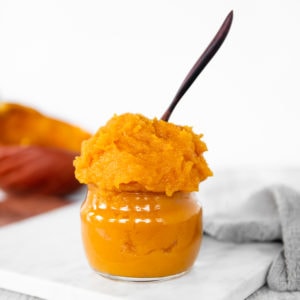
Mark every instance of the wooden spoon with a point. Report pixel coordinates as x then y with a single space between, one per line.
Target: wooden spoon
200 64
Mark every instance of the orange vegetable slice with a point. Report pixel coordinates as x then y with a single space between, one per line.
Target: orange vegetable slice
23 125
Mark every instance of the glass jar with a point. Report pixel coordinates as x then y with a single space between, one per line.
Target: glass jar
141 236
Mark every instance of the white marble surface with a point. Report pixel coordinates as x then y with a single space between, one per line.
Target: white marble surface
43 257
11 295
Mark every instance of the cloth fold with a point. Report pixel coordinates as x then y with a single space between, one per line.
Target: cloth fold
270 214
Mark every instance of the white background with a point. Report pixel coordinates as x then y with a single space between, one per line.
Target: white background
83 61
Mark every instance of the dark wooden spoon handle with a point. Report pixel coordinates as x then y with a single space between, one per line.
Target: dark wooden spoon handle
200 64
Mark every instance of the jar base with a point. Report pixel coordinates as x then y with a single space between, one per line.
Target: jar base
141 279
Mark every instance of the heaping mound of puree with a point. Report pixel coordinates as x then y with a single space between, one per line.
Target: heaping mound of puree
134 153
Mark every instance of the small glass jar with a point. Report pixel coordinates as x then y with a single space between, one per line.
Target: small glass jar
141 236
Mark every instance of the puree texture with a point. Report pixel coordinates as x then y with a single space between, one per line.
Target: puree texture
135 153
141 235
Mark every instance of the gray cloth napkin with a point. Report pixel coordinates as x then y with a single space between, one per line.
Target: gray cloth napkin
270 214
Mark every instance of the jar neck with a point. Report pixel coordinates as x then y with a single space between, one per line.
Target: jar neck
141 204
147 201
92 188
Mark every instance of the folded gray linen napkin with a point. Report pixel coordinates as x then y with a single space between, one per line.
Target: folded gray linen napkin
270 214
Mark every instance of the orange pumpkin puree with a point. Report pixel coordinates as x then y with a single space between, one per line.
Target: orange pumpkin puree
135 153
140 218
141 235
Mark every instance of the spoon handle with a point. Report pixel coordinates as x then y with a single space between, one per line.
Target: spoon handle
200 64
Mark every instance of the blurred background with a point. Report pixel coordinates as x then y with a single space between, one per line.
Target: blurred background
84 60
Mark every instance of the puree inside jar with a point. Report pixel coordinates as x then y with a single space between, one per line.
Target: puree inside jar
141 235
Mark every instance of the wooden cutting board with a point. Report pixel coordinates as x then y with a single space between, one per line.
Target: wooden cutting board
14 208
43 256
